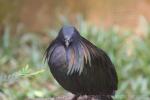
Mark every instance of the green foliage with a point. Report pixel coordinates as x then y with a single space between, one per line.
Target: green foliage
25 76
27 72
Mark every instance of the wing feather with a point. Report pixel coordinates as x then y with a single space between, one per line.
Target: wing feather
101 61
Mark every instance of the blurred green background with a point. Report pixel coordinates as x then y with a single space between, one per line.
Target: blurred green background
27 27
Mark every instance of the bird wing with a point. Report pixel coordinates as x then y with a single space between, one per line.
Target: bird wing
103 69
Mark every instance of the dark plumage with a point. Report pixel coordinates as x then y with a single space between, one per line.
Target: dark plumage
79 66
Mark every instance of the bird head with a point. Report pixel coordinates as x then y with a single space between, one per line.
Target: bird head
68 35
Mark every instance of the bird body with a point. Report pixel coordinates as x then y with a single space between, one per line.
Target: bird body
79 66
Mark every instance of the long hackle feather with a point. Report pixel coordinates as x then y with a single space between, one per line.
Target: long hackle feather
87 55
77 56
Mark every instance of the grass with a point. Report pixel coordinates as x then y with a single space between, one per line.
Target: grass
23 74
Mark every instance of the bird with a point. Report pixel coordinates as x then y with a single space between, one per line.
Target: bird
79 66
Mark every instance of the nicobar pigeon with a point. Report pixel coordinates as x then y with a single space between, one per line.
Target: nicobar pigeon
79 66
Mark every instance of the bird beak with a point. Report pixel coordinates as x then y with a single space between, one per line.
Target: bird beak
67 43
